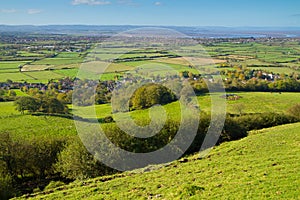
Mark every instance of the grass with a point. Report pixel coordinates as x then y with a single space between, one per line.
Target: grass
58 61
272 102
253 102
17 76
256 53
36 67
24 125
20 93
279 70
11 64
68 55
262 166
43 75
259 102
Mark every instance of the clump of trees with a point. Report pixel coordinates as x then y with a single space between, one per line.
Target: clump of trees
42 104
151 94
22 160
75 162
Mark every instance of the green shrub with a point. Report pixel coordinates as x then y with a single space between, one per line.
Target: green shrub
295 111
232 130
263 120
35 157
75 162
44 155
6 187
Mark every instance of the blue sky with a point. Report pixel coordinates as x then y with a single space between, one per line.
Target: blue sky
152 12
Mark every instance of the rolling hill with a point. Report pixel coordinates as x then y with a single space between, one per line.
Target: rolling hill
265 165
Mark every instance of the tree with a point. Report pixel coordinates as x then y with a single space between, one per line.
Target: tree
75 162
53 105
27 103
151 94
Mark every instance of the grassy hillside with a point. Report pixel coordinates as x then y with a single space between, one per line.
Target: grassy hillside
26 125
264 165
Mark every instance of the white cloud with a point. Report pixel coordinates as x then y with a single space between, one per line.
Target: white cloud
157 3
33 11
8 11
128 3
91 2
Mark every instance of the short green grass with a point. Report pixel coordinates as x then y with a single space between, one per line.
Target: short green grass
11 64
254 102
279 70
27 126
16 76
265 165
58 61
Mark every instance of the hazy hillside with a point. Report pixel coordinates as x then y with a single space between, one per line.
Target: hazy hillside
194 31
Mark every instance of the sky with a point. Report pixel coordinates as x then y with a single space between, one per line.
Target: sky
229 13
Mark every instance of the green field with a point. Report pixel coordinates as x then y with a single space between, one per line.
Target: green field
26 126
279 70
11 65
253 102
253 53
58 61
17 76
276 57
22 125
262 166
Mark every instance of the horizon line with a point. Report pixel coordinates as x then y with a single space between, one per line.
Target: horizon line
210 26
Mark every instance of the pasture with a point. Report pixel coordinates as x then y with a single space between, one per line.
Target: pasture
276 57
26 125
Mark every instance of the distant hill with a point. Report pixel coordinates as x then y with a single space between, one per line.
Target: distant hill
265 165
198 32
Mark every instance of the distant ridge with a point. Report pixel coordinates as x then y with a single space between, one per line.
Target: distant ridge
195 31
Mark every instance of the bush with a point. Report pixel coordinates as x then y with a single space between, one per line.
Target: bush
232 130
295 111
6 187
44 155
263 120
35 157
108 119
75 162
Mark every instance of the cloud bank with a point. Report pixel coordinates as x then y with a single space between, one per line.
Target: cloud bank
90 2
